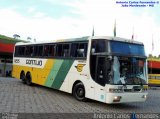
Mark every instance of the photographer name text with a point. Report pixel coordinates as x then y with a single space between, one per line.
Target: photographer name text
138 3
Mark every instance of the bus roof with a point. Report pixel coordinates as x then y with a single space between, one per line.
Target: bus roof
117 39
151 59
86 38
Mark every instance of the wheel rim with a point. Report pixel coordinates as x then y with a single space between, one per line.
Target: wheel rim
80 92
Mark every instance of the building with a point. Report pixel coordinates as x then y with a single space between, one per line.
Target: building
6 54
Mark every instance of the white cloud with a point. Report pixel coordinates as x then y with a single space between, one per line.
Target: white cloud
31 9
38 26
35 13
100 13
39 15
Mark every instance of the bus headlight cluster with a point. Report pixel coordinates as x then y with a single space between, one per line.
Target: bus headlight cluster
144 96
117 99
113 90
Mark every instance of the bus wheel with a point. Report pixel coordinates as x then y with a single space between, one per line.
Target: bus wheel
79 92
28 79
22 77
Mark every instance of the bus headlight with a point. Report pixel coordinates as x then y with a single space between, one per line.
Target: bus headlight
113 90
144 96
117 99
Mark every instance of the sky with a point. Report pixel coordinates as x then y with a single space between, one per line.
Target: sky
47 20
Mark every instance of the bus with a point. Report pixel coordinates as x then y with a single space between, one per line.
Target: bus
102 68
153 71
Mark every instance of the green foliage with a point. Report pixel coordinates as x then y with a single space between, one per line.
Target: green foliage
6 39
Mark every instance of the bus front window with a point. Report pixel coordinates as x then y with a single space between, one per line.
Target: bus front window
116 67
127 70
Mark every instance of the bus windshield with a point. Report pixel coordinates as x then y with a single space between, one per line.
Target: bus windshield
127 48
118 63
128 70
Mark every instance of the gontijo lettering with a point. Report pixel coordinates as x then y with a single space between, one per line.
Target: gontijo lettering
34 62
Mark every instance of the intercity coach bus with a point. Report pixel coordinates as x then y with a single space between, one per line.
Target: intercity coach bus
106 69
153 71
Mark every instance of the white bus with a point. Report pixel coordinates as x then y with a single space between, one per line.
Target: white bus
106 69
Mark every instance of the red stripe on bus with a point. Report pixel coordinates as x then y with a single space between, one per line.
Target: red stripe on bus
154 64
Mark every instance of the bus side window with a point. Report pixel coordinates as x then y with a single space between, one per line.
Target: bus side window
66 49
98 46
59 50
40 51
79 50
20 51
82 50
46 50
74 48
35 51
51 50
31 51
27 51
16 51
85 49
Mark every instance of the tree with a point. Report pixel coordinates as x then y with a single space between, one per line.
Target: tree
29 38
34 40
150 55
16 36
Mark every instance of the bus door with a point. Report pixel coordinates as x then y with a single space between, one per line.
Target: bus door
100 78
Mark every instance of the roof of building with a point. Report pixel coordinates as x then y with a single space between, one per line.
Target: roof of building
7 45
9 40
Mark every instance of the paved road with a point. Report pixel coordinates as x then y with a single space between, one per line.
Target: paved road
15 97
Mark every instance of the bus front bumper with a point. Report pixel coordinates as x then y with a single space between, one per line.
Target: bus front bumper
126 97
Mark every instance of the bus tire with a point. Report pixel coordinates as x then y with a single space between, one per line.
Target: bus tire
23 77
28 79
79 92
